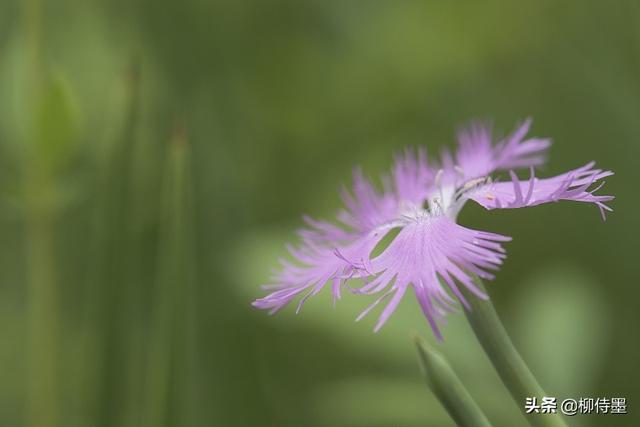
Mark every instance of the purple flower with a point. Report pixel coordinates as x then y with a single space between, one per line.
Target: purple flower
421 198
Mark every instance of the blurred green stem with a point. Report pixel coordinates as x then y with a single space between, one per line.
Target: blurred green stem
510 366
173 282
43 319
448 388
106 376
33 39
42 294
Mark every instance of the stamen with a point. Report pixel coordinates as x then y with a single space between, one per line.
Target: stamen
438 181
474 183
436 204
438 178
470 185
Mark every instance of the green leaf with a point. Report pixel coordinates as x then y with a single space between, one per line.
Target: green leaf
448 388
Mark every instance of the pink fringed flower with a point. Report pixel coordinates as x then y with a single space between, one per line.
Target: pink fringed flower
431 253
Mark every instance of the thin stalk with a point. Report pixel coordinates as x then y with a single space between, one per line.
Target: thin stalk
43 320
100 368
173 280
134 260
43 316
506 360
448 388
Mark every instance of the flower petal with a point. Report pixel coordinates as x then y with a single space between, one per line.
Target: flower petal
332 252
315 266
429 253
412 176
475 155
514 152
573 185
478 157
366 209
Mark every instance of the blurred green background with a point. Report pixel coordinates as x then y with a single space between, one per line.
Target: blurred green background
156 155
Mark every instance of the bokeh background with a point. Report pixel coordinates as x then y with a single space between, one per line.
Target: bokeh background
156 155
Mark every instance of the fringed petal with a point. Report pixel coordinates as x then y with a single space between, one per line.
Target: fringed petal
515 152
429 253
577 185
366 208
334 253
477 156
412 176
315 266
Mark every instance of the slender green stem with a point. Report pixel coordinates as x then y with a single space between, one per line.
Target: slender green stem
43 311
448 388
510 366
104 370
173 275
43 321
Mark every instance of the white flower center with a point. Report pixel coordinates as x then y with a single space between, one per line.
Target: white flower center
448 197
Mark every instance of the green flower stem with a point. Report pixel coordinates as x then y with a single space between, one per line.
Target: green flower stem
510 366
448 388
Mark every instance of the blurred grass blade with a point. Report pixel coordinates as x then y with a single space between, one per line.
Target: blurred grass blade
101 364
448 388
511 368
44 316
173 284
43 389
55 124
